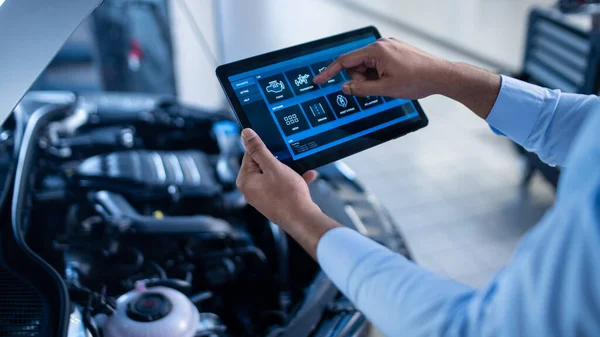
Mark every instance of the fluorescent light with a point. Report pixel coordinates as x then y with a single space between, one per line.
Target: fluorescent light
1 2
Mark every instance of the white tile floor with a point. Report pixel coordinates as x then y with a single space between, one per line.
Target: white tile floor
453 188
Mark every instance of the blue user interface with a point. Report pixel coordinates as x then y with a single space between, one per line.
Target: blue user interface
297 118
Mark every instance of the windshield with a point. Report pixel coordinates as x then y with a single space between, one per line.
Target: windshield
123 46
147 46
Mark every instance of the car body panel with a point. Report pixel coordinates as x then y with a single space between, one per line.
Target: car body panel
31 33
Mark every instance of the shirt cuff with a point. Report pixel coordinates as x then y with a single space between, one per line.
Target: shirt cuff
517 109
340 250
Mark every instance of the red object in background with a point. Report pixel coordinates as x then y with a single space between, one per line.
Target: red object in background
135 55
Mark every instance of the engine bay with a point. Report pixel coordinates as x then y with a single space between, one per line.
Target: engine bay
132 200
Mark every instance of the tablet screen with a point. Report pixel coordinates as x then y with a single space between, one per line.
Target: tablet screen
297 118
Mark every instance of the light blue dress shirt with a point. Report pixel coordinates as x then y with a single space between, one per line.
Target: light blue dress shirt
551 286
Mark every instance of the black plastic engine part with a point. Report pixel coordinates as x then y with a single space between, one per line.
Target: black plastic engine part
118 108
112 137
283 266
143 175
147 109
318 296
115 209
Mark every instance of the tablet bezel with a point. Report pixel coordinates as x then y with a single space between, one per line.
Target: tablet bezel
339 151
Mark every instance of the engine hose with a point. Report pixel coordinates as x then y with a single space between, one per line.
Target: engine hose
42 270
89 322
159 270
281 246
234 252
201 297
136 265
177 284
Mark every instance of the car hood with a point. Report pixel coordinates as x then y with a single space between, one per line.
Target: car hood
31 33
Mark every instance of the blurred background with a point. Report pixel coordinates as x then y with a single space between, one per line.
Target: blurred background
462 195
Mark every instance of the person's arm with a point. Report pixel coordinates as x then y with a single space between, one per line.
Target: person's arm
548 289
397 296
541 120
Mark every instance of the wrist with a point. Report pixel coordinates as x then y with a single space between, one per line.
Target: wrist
474 87
443 77
308 226
300 214
450 77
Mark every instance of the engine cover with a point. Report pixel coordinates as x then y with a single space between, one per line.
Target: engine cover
142 174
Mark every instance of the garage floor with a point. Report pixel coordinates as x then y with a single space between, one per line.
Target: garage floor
453 188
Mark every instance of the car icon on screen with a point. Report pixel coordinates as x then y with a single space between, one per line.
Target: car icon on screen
275 87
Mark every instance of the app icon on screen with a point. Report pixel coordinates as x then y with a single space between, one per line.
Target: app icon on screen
318 67
301 80
341 101
342 104
291 120
275 88
369 101
318 111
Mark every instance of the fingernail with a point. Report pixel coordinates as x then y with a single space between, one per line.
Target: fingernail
248 134
346 88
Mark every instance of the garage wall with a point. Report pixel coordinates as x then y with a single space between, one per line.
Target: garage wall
195 73
494 29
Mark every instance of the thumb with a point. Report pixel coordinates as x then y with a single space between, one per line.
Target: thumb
257 149
365 88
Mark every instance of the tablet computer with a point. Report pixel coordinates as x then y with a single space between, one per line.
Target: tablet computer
306 125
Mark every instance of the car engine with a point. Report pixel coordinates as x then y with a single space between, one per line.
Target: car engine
132 200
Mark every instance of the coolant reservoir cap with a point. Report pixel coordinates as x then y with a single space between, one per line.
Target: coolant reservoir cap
153 312
149 307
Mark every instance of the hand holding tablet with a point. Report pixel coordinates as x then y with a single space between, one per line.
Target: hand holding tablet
307 123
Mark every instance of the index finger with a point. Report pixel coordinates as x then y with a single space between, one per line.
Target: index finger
350 60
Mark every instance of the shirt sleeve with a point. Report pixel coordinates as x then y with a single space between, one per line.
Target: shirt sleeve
548 289
550 286
541 120
396 295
